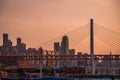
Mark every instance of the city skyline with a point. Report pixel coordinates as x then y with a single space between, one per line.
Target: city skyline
30 20
61 47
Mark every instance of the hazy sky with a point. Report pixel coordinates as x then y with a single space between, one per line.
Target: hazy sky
36 21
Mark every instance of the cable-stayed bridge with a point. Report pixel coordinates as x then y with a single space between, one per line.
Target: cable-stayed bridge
105 40
81 39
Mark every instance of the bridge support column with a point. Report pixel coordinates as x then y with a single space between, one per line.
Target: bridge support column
92 46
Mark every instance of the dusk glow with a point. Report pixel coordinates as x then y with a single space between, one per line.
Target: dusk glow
60 39
37 21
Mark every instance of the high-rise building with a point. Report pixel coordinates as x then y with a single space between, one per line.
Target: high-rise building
18 41
10 43
71 60
65 46
19 45
64 50
56 47
23 45
72 51
5 39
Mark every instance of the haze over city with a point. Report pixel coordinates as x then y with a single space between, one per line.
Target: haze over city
42 20
59 39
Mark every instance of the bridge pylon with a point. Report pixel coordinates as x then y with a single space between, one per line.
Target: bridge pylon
92 46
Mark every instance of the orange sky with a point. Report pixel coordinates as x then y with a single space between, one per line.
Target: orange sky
37 21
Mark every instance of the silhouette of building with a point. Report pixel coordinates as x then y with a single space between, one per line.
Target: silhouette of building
5 39
9 43
21 47
64 50
18 41
7 48
64 46
71 61
56 47
71 51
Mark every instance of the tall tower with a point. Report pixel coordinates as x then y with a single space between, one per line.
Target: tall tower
5 39
19 45
18 41
92 46
65 45
56 47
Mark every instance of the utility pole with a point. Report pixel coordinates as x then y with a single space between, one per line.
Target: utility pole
92 46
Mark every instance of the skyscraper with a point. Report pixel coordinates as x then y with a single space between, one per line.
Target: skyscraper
18 41
5 39
65 46
64 50
9 43
23 45
56 47
19 45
